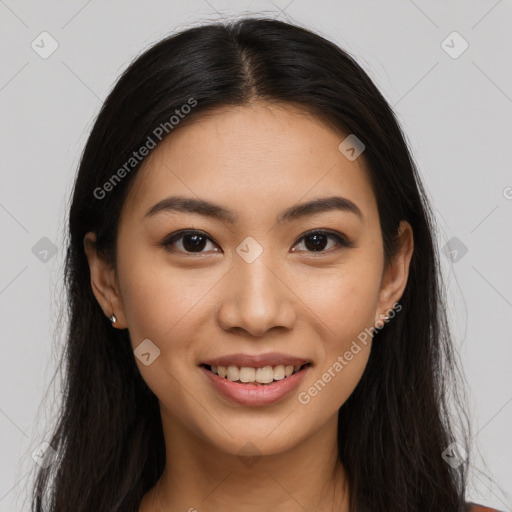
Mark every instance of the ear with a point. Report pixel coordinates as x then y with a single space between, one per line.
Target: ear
395 275
104 282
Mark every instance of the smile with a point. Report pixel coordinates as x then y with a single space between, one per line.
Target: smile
260 376
242 384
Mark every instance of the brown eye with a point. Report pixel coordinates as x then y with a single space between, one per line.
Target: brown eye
189 242
317 241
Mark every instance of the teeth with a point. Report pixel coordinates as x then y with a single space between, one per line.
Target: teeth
233 373
263 375
279 373
247 374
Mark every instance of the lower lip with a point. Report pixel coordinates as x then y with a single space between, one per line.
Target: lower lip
253 394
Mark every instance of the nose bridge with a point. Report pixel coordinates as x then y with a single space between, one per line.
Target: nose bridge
258 282
257 299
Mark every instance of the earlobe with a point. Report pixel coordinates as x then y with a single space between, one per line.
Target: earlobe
103 282
397 271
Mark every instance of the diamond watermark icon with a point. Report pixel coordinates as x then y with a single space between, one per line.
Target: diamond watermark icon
454 45
249 454
351 147
249 249
147 352
44 250
454 455
454 250
44 45
44 455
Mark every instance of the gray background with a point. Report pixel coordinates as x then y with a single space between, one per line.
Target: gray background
456 113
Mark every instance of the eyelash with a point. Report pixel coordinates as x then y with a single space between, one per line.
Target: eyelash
342 240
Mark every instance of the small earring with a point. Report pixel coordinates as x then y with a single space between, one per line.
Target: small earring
113 319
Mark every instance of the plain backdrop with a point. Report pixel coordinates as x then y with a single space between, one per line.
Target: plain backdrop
453 102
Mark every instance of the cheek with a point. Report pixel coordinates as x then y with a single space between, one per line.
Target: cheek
345 303
162 304
156 296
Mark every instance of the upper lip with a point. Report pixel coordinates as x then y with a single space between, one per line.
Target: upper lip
256 361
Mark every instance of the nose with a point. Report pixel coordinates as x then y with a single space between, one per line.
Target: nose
257 298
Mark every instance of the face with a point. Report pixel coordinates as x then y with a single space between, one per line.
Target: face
255 275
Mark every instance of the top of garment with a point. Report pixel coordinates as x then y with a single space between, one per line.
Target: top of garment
474 507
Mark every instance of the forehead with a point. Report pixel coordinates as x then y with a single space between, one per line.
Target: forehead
251 158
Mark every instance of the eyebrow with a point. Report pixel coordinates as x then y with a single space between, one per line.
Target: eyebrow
215 211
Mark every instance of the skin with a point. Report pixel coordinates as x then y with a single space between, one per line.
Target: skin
290 299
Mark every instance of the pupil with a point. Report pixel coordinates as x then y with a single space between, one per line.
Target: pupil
318 243
197 242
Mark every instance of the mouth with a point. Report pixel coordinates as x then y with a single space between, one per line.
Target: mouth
260 376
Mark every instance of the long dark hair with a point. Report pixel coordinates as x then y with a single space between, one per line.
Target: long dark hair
399 419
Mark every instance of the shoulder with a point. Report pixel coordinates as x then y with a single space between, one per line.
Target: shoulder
473 507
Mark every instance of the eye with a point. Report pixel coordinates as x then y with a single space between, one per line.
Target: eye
192 241
316 241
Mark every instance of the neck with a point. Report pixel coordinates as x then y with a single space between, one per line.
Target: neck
199 476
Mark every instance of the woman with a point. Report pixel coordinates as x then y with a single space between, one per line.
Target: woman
256 317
